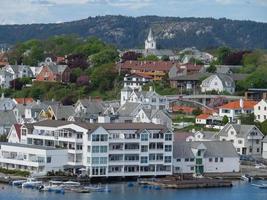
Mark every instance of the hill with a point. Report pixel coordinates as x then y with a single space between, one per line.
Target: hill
130 32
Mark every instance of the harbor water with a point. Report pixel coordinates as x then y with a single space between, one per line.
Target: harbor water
240 191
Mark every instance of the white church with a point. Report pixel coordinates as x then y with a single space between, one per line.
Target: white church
151 48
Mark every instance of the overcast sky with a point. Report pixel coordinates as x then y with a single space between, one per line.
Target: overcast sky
47 11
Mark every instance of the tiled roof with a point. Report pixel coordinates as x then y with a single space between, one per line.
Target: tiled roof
148 65
203 116
247 104
24 100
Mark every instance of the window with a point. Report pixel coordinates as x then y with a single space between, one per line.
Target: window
168 159
48 159
259 117
95 149
198 153
144 148
88 160
238 149
79 135
265 108
257 141
144 137
240 141
258 150
152 157
216 159
143 159
95 160
103 160
186 159
210 159
103 138
221 159
178 160
192 159
168 148
168 137
79 147
192 168
103 149
259 107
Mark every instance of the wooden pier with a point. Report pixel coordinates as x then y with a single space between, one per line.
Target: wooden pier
172 183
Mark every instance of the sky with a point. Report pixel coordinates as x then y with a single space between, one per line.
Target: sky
56 11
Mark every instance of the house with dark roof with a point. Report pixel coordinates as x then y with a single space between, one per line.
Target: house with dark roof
52 72
245 138
205 157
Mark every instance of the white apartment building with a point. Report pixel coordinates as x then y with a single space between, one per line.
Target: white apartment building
136 81
260 111
245 138
205 157
36 159
107 150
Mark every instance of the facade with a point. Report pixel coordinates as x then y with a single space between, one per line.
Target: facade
236 108
245 138
218 83
136 81
147 98
205 157
260 111
19 71
53 72
107 150
5 78
36 159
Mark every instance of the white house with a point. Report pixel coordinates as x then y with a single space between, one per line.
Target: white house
245 138
260 111
14 134
136 81
36 159
205 157
5 78
218 83
107 149
19 71
202 119
149 98
236 108
202 136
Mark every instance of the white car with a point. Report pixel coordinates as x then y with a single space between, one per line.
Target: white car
260 166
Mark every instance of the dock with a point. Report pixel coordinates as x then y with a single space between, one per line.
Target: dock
172 183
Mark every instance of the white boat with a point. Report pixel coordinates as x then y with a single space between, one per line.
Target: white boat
70 184
262 186
53 186
31 183
18 182
246 178
98 188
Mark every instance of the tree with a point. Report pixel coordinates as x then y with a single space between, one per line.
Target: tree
211 68
247 118
197 111
131 55
149 58
225 120
82 80
108 55
222 53
165 58
77 61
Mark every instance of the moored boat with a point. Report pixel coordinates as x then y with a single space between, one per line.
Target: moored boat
18 182
31 183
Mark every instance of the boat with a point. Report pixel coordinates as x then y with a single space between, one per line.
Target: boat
53 186
263 186
18 182
246 177
70 185
31 183
98 188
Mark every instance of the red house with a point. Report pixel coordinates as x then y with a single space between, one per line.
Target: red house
54 73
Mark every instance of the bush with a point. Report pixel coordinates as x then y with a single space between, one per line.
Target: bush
14 172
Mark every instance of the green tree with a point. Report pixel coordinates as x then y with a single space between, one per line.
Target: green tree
149 58
197 111
225 120
211 68
222 53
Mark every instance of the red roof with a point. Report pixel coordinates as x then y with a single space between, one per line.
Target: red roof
142 75
148 65
203 116
24 100
181 136
234 105
186 109
18 130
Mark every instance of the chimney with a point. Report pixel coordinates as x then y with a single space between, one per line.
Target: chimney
241 103
150 89
239 121
2 96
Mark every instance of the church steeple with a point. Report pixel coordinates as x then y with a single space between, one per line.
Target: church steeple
150 43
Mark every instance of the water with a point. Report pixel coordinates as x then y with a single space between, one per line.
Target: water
240 191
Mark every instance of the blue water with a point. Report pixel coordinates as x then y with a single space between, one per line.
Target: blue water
240 191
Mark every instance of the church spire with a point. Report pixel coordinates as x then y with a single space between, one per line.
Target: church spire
150 42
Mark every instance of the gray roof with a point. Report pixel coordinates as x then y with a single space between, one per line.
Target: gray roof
128 109
208 135
92 107
191 77
63 112
213 149
241 129
227 80
7 118
156 52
